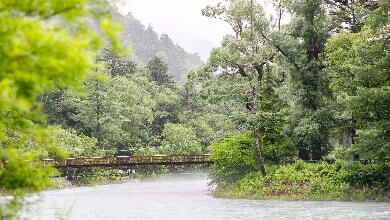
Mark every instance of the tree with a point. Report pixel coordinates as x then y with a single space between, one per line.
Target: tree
240 64
90 110
191 104
208 121
57 108
359 63
117 65
276 146
179 139
302 44
76 145
349 14
61 105
43 44
116 111
159 72
165 111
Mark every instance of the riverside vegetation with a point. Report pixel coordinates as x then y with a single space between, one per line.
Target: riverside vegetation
308 81
322 181
237 175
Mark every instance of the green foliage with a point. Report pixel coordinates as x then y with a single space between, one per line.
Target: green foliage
274 79
159 72
321 181
328 189
180 139
275 145
203 131
233 158
25 32
359 63
77 145
131 110
44 44
307 129
241 73
20 173
166 109
302 43
117 65
370 174
114 111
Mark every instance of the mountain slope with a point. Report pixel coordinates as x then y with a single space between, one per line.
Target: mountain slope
146 43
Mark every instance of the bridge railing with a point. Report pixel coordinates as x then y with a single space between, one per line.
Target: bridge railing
128 160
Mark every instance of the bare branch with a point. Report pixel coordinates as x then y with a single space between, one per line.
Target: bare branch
259 68
241 70
60 11
281 51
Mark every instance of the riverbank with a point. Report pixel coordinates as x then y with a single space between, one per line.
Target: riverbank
321 181
62 183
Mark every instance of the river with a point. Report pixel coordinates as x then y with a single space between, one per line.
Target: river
185 197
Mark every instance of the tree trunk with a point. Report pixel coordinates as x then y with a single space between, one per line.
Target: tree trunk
256 134
353 135
98 113
98 116
258 151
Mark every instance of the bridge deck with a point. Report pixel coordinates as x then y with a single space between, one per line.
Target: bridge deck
129 161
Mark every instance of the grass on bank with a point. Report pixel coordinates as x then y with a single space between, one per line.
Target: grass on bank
313 181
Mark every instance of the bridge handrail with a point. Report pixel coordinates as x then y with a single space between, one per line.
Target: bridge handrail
118 160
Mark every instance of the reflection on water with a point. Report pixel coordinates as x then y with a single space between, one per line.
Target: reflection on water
186 197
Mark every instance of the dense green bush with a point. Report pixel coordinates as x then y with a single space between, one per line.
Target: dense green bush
233 158
370 174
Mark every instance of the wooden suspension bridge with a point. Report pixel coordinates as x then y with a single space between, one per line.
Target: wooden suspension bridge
123 161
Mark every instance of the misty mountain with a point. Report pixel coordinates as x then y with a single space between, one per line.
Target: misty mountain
147 43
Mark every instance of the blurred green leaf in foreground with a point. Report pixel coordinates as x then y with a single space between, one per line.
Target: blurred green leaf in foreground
44 44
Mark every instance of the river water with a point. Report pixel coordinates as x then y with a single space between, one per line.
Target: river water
185 197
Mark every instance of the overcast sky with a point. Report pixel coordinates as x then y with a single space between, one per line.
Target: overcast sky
182 21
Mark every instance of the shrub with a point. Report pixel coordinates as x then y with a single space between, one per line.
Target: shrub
252 183
370 174
330 189
233 158
314 181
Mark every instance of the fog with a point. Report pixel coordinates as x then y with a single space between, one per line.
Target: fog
183 22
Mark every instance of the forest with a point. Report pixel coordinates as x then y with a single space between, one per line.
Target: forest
292 104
